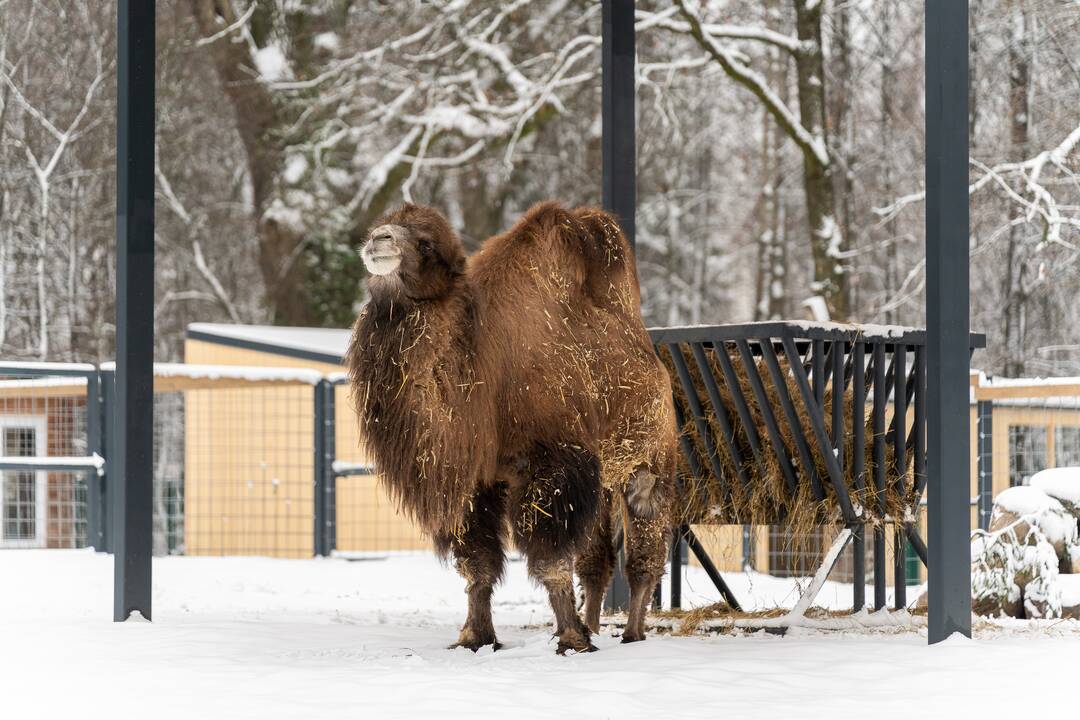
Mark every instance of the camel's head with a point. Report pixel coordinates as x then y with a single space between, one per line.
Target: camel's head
412 251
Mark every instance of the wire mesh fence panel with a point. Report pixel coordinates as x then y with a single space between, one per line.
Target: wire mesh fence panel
169 437
1027 452
43 416
368 522
1035 433
246 473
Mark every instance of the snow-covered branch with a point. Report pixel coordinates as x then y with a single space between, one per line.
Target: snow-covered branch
666 20
1023 184
810 142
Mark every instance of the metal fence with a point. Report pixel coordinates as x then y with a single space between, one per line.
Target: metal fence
46 472
247 461
267 461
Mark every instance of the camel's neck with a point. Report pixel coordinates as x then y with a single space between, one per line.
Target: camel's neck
412 369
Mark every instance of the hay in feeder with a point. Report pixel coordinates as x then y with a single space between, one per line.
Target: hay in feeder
766 499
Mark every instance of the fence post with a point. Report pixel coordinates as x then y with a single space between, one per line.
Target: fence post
329 455
985 460
95 491
108 443
318 495
678 559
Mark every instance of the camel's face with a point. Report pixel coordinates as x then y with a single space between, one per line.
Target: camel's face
414 252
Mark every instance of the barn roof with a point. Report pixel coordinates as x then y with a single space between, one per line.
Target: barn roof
326 345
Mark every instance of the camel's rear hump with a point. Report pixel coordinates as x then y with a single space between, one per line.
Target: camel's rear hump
582 249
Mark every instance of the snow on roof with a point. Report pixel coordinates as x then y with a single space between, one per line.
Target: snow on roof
325 341
232 372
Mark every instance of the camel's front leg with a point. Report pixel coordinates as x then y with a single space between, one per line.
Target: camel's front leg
479 558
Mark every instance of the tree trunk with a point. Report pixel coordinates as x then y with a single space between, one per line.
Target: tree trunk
1017 261
827 243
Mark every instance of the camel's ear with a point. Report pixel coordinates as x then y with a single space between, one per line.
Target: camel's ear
459 265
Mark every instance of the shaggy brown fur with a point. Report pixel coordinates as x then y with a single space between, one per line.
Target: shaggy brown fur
516 396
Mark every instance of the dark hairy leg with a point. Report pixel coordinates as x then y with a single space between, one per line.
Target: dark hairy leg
556 507
595 564
479 557
648 532
558 578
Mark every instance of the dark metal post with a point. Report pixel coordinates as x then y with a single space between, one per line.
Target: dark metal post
133 462
329 455
619 164
319 471
108 444
985 459
95 490
858 462
678 552
947 281
619 145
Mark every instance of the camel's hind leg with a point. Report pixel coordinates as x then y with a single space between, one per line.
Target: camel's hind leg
596 563
557 505
558 578
647 513
478 556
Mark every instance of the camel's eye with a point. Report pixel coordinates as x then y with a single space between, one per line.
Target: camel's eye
425 246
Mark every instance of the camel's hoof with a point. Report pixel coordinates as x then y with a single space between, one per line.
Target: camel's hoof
474 646
632 638
577 647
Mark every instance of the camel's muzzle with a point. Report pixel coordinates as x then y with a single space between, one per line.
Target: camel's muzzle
382 251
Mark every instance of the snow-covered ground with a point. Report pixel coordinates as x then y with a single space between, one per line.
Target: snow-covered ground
332 638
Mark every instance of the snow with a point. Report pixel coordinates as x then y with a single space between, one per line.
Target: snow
76 462
1027 381
271 63
869 331
328 41
1070 590
12 367
341 467
43 382
1026 500
328 638
285 216
1060 483
1037 508
295 169
232 372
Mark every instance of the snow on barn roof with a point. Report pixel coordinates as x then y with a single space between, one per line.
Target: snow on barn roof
319 344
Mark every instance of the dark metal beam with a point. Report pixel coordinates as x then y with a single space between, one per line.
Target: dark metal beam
619 148
132 465
710 569
947 288
619 162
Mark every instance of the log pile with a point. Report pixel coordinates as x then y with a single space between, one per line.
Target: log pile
1025 565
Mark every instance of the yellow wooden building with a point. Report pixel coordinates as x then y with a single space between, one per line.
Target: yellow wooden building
249 451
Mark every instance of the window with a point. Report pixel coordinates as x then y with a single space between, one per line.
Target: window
22 492
1067 446
1027 452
